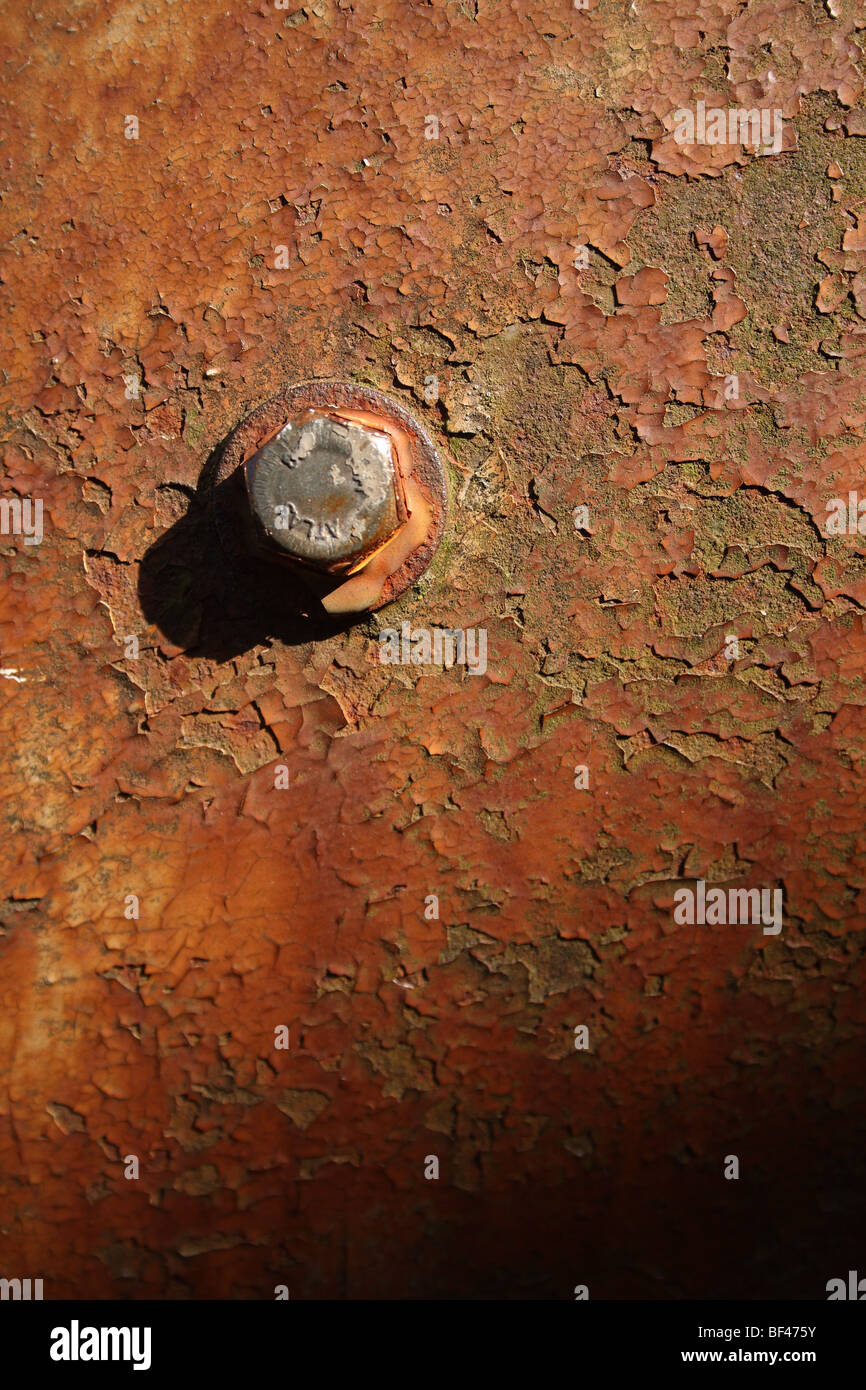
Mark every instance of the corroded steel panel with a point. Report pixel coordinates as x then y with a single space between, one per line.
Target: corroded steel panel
643 358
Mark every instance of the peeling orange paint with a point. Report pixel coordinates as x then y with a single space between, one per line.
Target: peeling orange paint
282 806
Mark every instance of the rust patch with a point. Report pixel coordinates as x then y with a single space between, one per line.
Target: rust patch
484 214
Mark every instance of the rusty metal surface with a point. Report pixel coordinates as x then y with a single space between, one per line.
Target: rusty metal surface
202 204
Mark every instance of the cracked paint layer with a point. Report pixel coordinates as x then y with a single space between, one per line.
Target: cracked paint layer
217 828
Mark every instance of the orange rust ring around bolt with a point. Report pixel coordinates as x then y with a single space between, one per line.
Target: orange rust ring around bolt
423 468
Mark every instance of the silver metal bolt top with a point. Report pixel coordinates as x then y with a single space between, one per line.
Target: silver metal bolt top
325 490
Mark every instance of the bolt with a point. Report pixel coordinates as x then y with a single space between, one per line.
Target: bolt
333 484
325 492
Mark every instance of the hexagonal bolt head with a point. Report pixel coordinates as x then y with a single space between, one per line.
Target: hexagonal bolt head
325 493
